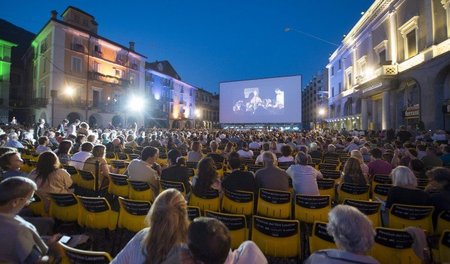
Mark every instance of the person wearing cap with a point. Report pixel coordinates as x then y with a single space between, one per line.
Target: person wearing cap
176 171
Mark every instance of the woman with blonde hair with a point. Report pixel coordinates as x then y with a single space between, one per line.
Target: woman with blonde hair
358 154
165 237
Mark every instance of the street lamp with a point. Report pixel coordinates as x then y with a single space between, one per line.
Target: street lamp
198 115
53 94
321 112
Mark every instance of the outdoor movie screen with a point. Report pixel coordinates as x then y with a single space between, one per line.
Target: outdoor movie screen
268 100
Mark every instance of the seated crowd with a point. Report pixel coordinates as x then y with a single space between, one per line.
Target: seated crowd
417 169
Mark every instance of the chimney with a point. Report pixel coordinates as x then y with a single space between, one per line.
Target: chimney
54 14
132 45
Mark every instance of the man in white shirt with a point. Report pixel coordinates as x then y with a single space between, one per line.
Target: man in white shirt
304 177
143 169
80 157
245 152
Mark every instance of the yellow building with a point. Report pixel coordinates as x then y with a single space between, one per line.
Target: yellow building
78 74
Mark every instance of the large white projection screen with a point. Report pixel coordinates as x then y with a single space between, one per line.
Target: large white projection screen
269 100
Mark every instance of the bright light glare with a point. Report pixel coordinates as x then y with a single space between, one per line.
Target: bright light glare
321 111
198 114
369 73
69 91
136 104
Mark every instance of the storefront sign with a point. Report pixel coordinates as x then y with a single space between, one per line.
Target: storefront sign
412 111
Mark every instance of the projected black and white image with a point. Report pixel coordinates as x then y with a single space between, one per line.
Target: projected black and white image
253 102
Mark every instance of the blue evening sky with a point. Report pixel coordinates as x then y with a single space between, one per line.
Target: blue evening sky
210 41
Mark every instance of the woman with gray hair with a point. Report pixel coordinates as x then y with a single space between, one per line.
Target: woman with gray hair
353 234
404 190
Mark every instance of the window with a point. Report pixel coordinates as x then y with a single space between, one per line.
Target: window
339 88
332 70
382 57
96 66
381 51
97 50
44 64
76 64
340 64
95 98
410 40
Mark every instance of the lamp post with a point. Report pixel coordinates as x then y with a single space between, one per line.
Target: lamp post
53 94
198 114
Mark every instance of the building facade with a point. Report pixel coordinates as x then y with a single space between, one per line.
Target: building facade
393 68
207 109
5 76
172 101
78 74
315 101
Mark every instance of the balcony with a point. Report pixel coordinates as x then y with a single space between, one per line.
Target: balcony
108 79
40 102
78 47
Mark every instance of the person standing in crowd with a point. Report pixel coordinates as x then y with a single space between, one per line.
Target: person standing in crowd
39 129
343 223
165 236
271 176
146 169
72 128
304 177
62 127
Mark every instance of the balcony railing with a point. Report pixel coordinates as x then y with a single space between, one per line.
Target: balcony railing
40 102
78 47
108 79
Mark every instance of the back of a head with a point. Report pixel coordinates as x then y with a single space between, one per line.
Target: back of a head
331 148
15 187
268 158
87 146
376 153
173 155
357 154
286 150
234 160
301 158
441 176
402 176
148 152
344 222
208 240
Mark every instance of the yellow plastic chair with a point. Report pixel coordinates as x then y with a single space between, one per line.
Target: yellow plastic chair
118 185
443 222
353 191
276 237
331 174
76 178
64 207
164 185
238 202
87 180
274 203
309 208
140 191
110 156
132 214
193 212
96 213
327 187
328 166
210 201
320 239
236 224
444 247
402 216
380 191
371 209
38 205
71 255
393 246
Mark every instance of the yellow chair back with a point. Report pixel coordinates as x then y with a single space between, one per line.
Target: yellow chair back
238 202
164 185
371 209
132 214
64 207
353 191
210 201
320 239
402 216
140 191
236 224
118 185
72 255
309 208
96 213
274 203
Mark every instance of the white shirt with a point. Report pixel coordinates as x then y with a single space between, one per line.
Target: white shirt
79 158
245 154
139 170
304 179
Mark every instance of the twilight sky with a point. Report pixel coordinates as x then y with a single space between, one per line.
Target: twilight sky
210 41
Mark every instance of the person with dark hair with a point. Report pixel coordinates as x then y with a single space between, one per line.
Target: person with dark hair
304 177
195 154
418 168
431 160
80 157
245 152
43 145
63 151
286 154
214 153
79 140
10 163
377 165
165 237
21 242
439 189
353 173
49 177
146 169
176 171
265 147
98 155
238 180
62 127
209 242
206 178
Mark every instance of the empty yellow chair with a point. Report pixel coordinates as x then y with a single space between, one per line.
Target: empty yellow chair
274 203
164 185
132 214
309 208
327 187
353 191
443 222
393 246
371 209
210 201
236 224
320 239
276 237
238 202
118 185
402 216
96 213
140 191
64 207
72 255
